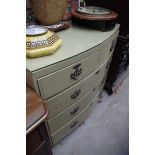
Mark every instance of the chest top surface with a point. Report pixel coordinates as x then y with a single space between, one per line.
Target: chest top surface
75 41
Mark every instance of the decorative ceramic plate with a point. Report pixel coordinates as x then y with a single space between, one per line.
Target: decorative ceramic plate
40 41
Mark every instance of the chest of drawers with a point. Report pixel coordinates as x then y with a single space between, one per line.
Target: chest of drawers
71 80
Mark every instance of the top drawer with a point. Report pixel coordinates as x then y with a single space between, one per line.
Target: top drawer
55 82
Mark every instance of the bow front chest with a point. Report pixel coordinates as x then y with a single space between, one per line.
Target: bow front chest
71 79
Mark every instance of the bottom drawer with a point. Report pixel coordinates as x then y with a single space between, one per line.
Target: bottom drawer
74 123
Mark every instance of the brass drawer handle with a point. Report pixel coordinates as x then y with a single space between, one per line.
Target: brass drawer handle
77 72
113 45
111 48
75 110
97 72
108 65
74 124
94 89
103 80
76 94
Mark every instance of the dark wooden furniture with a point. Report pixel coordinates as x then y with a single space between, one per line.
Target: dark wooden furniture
120 60
119 6
112 16
102 22
37 140
119 63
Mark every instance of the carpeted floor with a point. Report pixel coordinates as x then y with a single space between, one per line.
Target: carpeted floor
106 130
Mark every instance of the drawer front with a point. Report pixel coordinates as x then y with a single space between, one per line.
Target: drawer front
73 124
53 83
66 116
107 48
71 95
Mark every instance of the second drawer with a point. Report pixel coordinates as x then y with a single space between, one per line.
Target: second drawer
64 117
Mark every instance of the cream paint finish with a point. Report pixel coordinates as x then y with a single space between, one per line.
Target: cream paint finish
51 76
47 66
78 120
53 83
66 116
105 50
75 41
63 100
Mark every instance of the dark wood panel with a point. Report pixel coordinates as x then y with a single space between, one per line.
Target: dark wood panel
33 140
39 151
119 6
120 60
38 142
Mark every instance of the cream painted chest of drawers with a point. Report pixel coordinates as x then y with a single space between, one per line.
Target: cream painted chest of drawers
71 79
